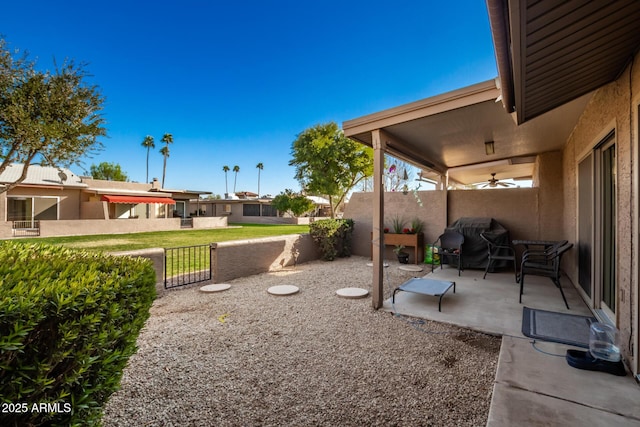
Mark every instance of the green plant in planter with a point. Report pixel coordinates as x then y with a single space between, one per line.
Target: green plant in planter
416 226
397 224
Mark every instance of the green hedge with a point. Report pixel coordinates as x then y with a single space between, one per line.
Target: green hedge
69 321
333 236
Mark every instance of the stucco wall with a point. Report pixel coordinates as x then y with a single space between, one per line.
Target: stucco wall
550 195
520 210
517 209
5 230
610 108
113 226
242 258
156 255
360 209
93 210
209 222
121 185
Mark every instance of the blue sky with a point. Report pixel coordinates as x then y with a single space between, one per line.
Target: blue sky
236 81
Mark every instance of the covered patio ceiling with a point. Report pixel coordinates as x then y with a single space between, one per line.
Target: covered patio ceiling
447 133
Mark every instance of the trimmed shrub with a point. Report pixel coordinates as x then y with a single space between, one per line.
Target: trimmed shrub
333 236
69 321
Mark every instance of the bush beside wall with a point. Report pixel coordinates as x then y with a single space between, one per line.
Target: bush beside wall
333 237
69 321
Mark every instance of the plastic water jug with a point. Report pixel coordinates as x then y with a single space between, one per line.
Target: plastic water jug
603 342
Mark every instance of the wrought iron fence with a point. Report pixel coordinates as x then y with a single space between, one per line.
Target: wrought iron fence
25 228
186 265
186 222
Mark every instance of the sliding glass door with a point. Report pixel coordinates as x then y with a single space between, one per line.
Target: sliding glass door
597 226
607 183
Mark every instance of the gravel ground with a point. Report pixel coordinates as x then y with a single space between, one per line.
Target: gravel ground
244 357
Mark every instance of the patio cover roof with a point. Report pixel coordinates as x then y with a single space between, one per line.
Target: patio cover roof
449 131
136 199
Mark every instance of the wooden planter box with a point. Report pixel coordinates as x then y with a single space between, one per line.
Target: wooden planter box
415 241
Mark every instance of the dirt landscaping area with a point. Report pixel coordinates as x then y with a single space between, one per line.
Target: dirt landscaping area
244 357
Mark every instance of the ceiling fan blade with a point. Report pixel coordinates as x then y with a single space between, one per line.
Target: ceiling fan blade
504 184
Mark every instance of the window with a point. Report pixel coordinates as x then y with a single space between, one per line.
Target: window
268 210
250 209
32 207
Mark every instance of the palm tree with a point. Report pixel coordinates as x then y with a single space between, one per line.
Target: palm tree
226 169
165 153
167 138
148 143
260 166
236 169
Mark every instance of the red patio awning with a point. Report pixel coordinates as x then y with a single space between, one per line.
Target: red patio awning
137 199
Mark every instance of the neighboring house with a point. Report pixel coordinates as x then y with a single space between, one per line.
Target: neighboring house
322 206
71 204
246 207
567 104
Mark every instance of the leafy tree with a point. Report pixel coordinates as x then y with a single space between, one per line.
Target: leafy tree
167 138
300 205
226 169
50 115
211 197
329 163
260 167
148 143
109 172
236 169
294 203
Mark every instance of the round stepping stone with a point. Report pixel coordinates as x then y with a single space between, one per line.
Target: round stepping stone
410 268
352 293
218 287
385 265
283 290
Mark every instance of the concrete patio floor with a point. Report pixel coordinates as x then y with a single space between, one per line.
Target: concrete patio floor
534 385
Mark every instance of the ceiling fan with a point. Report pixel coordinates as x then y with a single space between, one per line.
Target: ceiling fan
493 182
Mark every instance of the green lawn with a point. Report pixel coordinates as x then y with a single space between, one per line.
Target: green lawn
169 239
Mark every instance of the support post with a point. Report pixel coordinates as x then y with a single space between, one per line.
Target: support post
379 146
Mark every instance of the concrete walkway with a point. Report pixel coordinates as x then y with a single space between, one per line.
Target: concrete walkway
534 385
536 388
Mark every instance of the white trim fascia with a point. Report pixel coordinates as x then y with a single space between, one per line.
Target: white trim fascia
464 97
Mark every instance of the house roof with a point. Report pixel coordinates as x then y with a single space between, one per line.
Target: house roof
42 176
318 200
550 53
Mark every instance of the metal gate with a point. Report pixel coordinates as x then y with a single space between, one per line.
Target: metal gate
186 265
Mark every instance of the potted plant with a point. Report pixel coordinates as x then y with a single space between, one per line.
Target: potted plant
403 257
416 226
397 224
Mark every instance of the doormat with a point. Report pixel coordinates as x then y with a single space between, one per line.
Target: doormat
562 328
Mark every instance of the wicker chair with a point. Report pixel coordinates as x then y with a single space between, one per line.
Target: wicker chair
450 246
